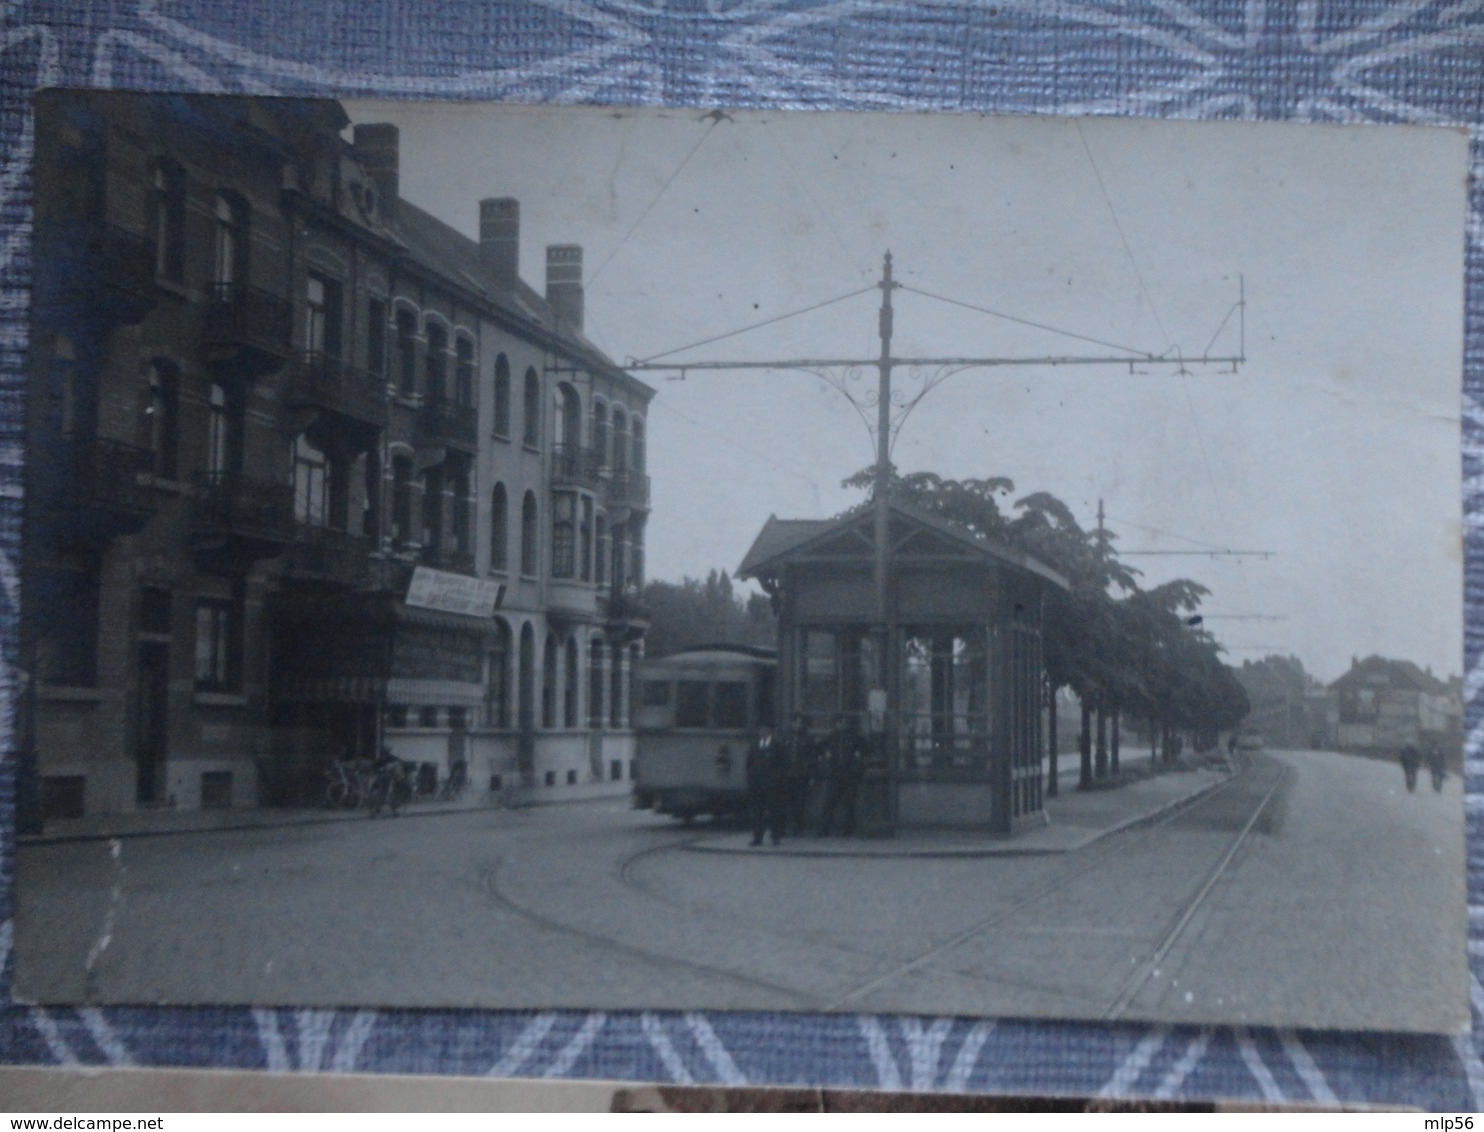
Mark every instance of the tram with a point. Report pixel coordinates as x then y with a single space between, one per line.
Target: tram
699 710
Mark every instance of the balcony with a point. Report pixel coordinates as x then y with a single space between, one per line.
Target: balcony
629 489
237 520
246 330
442 423
327 556
108 491
317 380
574 465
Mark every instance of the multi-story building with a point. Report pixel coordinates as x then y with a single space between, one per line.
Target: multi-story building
310 472
1382 704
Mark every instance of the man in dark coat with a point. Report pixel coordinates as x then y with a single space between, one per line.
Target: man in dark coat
765 770
1411 759
843 763
798 774
1436 766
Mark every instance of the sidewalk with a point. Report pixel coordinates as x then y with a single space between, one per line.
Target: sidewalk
1073 820
166 822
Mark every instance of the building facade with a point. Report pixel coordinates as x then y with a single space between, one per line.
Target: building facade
1380 705
310 472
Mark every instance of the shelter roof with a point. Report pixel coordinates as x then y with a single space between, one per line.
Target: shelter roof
794 538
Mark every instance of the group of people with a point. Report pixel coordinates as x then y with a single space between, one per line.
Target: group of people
1411 760
782 771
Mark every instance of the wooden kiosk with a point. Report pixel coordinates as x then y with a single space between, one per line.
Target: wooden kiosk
949 686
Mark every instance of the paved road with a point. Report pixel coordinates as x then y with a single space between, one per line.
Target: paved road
1343 906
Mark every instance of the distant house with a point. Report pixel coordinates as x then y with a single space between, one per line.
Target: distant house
1288 705
1383 704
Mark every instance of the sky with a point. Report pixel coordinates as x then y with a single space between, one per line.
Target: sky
1334 448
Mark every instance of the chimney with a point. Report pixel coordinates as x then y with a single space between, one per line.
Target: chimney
499 236
377 150
564 284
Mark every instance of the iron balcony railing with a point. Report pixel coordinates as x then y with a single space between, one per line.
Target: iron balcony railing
243 317
448 422
572 464
328 555
327 382
629 487
232 503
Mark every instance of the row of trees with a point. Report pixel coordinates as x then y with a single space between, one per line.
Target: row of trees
1124 650
692 612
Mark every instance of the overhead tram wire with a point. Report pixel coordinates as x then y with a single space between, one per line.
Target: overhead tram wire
745 329
1140 355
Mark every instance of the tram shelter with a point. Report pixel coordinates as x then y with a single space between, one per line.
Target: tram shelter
949 685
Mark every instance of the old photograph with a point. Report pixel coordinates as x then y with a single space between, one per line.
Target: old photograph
576 557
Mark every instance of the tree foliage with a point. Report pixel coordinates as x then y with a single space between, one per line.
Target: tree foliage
696 612
1141 651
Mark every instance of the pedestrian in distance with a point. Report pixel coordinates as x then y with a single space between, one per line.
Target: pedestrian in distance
798 775
843 767
1436 767
765 780
1411 759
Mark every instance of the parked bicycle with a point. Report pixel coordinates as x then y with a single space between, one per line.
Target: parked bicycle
392 786
347 783
456 783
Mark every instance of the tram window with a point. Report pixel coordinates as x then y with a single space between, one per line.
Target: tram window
656 693
731 706
690 703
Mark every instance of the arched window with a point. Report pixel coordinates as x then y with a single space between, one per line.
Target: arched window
636 446
569 688
402 499
564 534
432 517
499 529
311 482
548 682
585 533
463 372
600 555
229 251
600 432
595 683
531 434
169 220
497 696
620 459
525 705
406 353
615 685
502 397
458 478
436 368
162 417
569 416
219 431
528 533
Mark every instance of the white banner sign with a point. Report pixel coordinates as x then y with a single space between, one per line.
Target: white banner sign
452 593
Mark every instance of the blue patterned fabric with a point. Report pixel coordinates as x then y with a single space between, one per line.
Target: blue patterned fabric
1328 60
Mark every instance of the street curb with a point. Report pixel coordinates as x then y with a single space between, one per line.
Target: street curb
312 818
1000 848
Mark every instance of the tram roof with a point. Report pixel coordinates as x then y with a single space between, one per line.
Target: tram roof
791 538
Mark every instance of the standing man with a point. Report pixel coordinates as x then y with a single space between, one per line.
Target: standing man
1436 767
1411 759
764 782
844 764
798 774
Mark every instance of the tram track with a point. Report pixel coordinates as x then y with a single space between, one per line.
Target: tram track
1142 836
1271 776
489 884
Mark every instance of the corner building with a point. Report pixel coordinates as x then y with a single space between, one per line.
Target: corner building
310 472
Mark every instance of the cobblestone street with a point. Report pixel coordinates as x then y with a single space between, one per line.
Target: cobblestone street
1311 890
